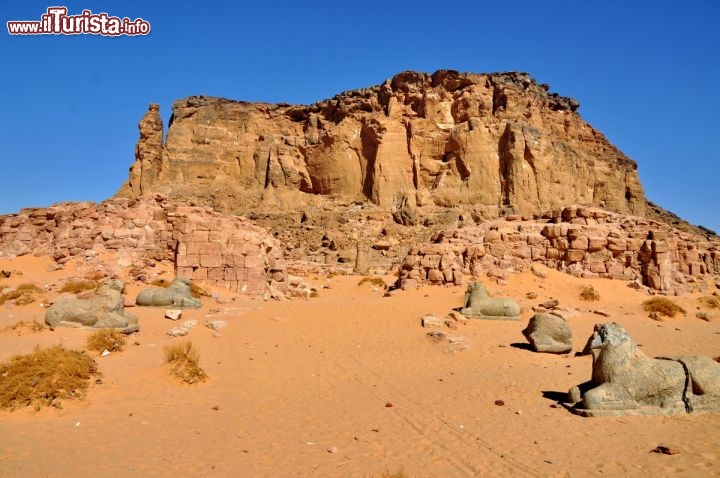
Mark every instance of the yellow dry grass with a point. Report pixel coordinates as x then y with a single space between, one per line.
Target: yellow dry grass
588 293
376 281
106 339
32 327
80 285
22 295
45 377
183 360
663 306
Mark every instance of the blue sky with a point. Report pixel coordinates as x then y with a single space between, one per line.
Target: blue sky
646 73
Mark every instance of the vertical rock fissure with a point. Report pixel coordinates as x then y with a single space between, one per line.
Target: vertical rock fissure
504 166
686 401
267 169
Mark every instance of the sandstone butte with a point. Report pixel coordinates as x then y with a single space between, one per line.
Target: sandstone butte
440 177
499 142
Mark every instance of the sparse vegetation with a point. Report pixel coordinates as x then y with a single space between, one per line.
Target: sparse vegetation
711 301
183 360
160 283
662 306
34 327
77 286
196 291
22 295
376 281
45 377
397 474
106 339
588 293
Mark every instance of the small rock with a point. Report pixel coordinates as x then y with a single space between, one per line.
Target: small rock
635 284
499 403
388 405
703 316
537 271
105 353
215 324
173 314
178 332
457 316
601 312
432 321
665 450
332 449
550 304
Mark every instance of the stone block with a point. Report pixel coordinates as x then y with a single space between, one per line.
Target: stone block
574 255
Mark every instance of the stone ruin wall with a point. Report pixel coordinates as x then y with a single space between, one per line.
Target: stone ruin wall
231 252
227 251
584 242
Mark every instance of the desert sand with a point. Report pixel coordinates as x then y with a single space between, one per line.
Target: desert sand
348 384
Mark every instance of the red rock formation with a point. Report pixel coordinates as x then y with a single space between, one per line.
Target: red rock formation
228 251
584 242
499 142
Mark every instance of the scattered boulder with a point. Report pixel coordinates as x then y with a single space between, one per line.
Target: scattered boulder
627 382
173 314
104 309
549 333
177 294
479 305
182 330
432 321
550 304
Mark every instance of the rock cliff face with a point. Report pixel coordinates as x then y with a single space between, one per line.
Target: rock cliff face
498 142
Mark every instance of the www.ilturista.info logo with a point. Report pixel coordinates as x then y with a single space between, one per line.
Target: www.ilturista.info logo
57 22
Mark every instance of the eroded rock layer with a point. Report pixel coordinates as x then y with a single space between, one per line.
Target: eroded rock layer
499 142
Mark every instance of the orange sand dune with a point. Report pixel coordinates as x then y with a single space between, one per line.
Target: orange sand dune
347 384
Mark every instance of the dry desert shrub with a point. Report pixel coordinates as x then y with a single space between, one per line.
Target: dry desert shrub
80 285
33 327
22 295
106 339
397 474
662 306
376 281
160 283
711 301
44 377
183 360
196 291
588 293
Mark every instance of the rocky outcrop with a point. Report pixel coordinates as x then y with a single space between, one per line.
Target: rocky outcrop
584 242
498 141
177 294
203 245
627 382
104 309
